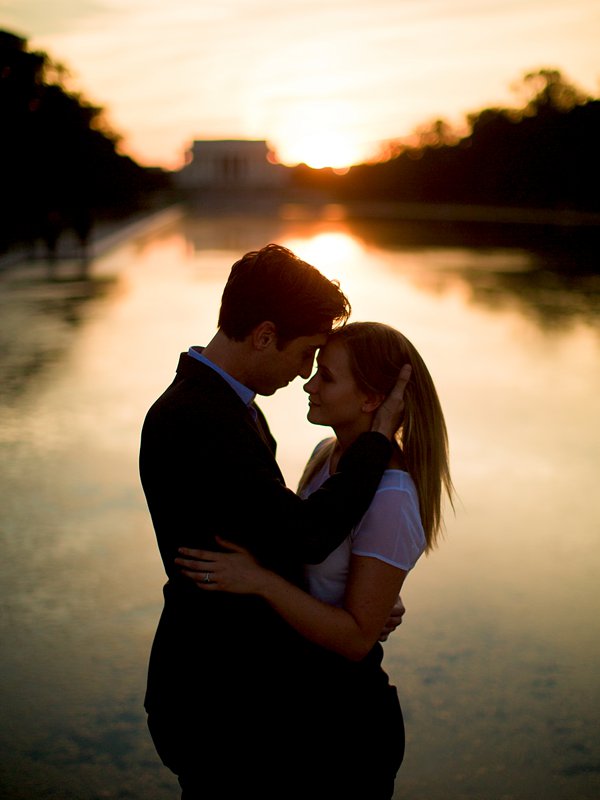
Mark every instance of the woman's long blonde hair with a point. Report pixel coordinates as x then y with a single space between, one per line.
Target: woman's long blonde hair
377 352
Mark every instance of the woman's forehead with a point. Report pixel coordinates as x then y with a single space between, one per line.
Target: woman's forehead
334 355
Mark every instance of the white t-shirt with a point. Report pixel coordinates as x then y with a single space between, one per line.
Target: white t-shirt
390 531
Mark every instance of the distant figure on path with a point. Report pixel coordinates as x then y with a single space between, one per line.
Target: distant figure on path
52 229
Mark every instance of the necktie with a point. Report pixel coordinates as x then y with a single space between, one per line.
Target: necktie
261 426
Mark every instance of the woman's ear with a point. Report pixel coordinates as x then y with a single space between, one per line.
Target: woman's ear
372 402
264 335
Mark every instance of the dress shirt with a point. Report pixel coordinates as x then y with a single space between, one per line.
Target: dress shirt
245 394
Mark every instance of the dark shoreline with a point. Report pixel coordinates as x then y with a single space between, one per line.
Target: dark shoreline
565 240
569 239
104 236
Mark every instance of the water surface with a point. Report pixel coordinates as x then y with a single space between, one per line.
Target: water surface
498 660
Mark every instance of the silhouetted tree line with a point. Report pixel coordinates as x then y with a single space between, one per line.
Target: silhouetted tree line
545 154
59 163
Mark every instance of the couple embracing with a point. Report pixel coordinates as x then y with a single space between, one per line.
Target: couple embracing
265 675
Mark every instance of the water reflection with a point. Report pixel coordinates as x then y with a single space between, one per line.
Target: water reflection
40 313
558 248
553 299
498 662
549 274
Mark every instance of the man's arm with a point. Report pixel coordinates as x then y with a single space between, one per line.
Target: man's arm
206 473
308 530
389 414
350 630
324 519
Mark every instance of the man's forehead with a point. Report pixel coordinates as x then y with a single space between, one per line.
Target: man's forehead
322 354
316 340
329 350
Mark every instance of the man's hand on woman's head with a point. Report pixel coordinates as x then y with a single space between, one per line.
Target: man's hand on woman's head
389 414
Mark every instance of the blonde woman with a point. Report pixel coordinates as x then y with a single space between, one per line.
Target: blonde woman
349 595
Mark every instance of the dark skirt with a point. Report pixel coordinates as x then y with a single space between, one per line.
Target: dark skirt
334 731
358 734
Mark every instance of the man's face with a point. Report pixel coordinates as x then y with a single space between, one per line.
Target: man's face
280 367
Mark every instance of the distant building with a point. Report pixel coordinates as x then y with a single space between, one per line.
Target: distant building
231 165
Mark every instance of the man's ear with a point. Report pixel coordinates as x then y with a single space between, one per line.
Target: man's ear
372 402
264 335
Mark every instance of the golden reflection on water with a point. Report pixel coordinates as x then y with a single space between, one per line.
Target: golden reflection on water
498 660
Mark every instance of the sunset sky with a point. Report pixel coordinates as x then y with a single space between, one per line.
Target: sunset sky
324 81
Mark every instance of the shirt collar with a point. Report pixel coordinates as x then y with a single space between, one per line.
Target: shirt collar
245 394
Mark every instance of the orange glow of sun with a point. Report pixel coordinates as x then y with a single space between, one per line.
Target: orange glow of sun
320 150
332 250
319 133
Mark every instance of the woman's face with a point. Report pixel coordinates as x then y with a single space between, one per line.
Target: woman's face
334 397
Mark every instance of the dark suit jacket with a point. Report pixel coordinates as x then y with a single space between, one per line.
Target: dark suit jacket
206 470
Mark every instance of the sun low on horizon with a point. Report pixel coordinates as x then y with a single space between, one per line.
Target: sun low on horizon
326 84
317 151
331 148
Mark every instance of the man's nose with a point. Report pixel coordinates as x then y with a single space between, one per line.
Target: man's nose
306 368
310 386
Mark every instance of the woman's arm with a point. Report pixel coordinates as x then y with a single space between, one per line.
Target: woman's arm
373 587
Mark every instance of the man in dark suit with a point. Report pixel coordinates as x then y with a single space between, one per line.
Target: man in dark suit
230 686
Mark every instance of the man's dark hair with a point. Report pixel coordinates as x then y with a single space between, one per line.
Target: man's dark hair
274 284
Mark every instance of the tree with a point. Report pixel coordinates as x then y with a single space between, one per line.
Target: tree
547 90
543 154
58 158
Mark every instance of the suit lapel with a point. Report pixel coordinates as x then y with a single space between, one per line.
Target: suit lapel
191 369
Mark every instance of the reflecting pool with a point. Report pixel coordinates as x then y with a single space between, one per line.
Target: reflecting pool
498 660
